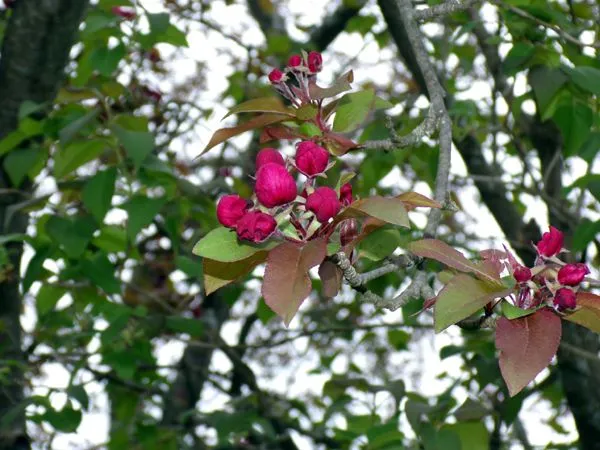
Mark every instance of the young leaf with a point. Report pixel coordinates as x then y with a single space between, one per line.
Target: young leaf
218 274
137 144
512 312
342 84
527 345
589 313
72 234
352 110
222 244
222 134
442 252
413 200
331 278
264 105
390 210
461 297
76 154
287 283
380 244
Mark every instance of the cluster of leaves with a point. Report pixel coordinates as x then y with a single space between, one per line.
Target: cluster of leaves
289 259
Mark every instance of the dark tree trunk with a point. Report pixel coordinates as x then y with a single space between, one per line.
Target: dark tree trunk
35 51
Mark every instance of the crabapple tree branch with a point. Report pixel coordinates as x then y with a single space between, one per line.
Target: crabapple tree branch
441 10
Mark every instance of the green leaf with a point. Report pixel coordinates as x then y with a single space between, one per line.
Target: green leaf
112 239
27 128
222 244
546 82
67 134
380 244
193 327
137 144
307 112
590 148
264 104
72 234
462 297
218 274
102 273
159 22
75 155
287 283
585 77
106 60
47 298
352 110
188 266
66 420
472 434
98 192
511 311
390 210
585 233
361 24
141 210
399 339
590 181
517 57
35 268
19 162
574 121
78 392
442 252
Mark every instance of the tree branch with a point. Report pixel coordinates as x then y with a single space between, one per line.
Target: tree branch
442 10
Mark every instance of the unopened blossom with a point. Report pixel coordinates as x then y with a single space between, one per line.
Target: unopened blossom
565 299
324 203
276 76
255 226
572 274
294 61
124 12
551 242
230 210
315 62
346 194
268 155
274 185
522 274
311 159
348 231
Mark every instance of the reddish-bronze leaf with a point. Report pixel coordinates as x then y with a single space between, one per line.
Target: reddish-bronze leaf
287 282
589 313
331 278
413 200
337 144
278 132
527 345
442 252
264 105
222 134
218 274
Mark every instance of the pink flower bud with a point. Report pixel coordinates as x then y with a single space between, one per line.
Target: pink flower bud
294 61
311 159
230 210
268 155
255 226
565 298
572 274
522 274
346 194
276 76
124 12
315 62
324 203
274 185
348 231
551 242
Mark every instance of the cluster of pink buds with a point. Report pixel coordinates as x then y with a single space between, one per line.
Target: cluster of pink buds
276 201
297 77
550 282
